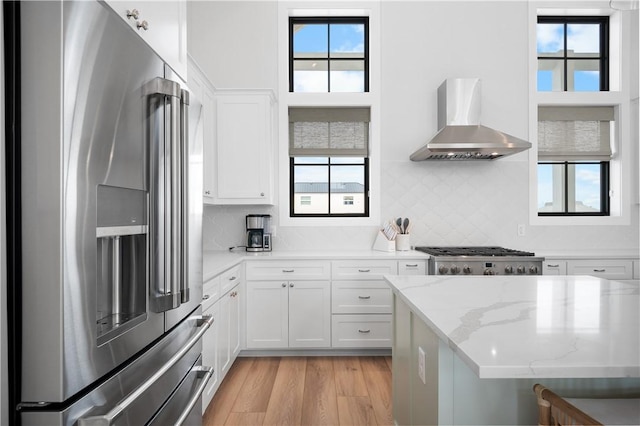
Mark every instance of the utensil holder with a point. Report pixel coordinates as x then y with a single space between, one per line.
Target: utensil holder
403 242
382 244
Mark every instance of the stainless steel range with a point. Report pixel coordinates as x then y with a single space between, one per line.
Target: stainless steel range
481 261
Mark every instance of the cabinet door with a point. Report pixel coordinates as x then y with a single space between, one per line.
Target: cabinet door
210 355
554 267
267 314
202 89
309 314
243 149
235 324
166 31
224 350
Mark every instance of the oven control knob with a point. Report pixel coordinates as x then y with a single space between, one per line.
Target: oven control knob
521 269
443 270
466 269
508 269
454 269
533 270
489 271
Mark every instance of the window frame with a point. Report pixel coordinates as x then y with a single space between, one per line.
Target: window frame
603 21
605 202
292 194
293 20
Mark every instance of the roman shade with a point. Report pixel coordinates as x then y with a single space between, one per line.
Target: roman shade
329 132
575 133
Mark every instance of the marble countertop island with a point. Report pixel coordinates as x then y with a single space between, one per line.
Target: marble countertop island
531 326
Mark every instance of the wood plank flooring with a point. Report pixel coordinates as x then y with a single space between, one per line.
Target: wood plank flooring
304 391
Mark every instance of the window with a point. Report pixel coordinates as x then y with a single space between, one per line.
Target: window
573 53
329 54
329 164
574 150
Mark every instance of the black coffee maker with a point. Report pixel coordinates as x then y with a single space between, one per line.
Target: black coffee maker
258 232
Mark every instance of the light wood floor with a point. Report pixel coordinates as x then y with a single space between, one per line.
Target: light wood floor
304 391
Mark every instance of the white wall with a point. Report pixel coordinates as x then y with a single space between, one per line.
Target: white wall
423 43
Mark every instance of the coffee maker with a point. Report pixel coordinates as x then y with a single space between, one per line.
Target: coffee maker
258 232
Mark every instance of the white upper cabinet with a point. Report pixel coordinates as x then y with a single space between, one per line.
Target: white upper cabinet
203 90
162 24
243 156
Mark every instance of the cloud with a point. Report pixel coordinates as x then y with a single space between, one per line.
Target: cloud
584 38
549 37
588 177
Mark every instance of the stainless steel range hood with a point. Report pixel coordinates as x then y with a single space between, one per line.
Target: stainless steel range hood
461 136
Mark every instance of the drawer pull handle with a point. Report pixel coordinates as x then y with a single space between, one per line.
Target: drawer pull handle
415 265
364 331
233 278
554 266
205 296
364 297
284 284
288 270
364 270
599 270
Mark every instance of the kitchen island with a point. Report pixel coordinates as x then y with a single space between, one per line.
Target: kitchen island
468 350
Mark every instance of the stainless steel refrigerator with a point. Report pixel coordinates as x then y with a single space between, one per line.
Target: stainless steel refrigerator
105 217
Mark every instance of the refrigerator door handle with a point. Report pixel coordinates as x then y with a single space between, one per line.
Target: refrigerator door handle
203 322
205 373
184 214
166 196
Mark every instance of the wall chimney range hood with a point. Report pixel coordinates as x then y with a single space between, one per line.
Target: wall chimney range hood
460 135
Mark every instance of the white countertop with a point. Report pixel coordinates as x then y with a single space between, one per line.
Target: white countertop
532 326
216 262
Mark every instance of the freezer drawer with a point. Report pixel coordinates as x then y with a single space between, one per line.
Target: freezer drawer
141 391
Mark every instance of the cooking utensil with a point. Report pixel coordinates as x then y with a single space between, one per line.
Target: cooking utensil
399 223
405 226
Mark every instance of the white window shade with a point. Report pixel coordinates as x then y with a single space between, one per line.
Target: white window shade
575 133
329 132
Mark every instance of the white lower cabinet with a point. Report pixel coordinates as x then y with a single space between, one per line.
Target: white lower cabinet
636 269
210 354
221 342
288 314
361 301
229 329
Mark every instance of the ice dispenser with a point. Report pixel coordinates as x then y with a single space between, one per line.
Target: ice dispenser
122 232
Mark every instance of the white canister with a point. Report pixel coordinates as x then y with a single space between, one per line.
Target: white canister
403 242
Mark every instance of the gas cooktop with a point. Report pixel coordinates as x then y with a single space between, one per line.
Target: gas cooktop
472 251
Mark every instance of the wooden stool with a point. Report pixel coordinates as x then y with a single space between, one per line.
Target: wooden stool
554 410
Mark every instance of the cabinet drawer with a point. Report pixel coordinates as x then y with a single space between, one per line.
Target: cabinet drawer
636 269
361 297
412 267
290 270
362 269
361 331
610 269
210 292
554 267
229 279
